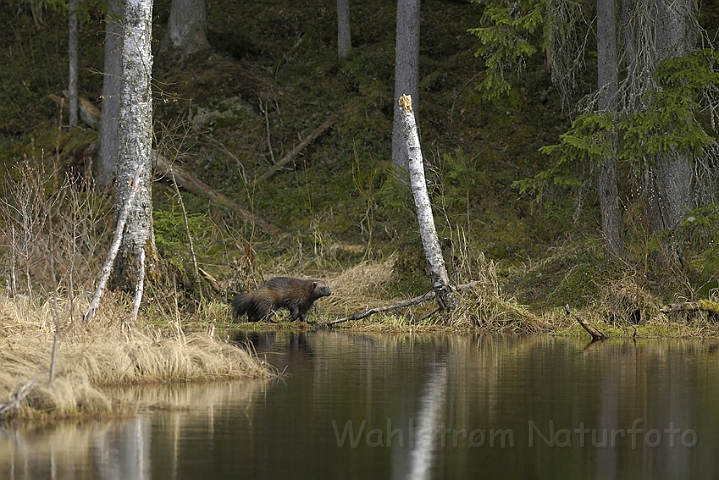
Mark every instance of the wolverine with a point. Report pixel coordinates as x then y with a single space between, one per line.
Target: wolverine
294 294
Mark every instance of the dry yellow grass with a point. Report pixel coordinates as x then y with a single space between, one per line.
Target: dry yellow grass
483 307
100 354
361 286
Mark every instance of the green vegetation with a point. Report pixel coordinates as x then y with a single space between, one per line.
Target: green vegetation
272 78
512 34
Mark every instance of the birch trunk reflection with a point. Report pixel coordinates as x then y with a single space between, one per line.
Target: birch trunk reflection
430 420
402 394
123 451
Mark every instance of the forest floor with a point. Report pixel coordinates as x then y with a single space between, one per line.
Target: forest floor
339 209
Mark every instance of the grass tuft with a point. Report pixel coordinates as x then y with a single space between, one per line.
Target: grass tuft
99 355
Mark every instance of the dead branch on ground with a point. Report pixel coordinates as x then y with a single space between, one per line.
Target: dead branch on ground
295 151
17 398
712 308
89 113
184 178
192 184
403 304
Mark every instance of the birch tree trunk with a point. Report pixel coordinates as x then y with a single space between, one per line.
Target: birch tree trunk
344 37
430 242
72 57
135 143
112 74
406 73
608 84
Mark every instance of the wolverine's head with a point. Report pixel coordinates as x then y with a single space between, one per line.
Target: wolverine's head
320 289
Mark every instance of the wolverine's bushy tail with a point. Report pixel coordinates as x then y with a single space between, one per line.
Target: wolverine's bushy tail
239 305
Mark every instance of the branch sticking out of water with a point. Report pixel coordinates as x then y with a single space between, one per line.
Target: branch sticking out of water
597 336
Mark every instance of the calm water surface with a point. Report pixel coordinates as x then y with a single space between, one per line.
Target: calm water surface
379 406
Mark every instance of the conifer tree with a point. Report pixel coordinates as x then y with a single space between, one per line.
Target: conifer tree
649 121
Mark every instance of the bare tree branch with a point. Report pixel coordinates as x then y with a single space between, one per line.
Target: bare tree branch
403 304
596 334
193 184
295 151
107 267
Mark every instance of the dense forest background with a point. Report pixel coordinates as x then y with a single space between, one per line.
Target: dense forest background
271 76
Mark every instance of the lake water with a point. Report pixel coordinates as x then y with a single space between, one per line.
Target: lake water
355 406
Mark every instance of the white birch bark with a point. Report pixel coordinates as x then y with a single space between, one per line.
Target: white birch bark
344 36
139 287
135 144
112 75
430 242
406 73
422 455
114 248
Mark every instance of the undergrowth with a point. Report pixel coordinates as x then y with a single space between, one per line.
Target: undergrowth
344 213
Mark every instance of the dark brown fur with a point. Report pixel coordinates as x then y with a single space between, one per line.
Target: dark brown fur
294 294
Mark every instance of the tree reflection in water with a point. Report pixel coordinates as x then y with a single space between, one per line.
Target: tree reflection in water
476 397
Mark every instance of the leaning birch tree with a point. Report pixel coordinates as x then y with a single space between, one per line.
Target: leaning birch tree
432 250
135 145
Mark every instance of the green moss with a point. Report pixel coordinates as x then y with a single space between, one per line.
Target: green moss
273 77
710 307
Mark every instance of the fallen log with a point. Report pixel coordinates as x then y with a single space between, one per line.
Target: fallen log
89 113
92 116
191 183
702 305
16 398
596 334
211 280
387 308
295 151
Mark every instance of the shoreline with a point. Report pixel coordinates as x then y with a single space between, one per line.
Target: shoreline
94 358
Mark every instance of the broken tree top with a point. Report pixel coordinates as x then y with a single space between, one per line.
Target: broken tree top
405 101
